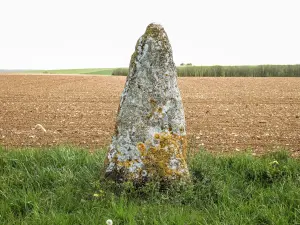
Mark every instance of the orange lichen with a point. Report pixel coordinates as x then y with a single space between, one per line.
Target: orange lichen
142 148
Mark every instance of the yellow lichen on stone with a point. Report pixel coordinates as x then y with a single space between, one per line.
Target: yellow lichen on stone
159 110
125 163
156 136
152 150
152 102
157 158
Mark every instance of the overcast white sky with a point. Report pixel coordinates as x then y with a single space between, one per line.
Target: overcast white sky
54 34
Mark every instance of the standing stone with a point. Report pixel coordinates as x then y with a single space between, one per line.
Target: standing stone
150 135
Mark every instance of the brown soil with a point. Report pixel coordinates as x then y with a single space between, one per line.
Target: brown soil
222 114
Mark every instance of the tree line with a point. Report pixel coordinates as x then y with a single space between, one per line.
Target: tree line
231 71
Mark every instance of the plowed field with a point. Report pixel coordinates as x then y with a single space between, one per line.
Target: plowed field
222 114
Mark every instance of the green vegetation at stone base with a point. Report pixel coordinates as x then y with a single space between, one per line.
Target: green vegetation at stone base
61 186
95 71
231 71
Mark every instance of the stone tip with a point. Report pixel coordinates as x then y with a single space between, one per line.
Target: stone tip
155 26
155 30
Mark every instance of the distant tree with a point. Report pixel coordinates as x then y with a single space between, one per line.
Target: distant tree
182 64
189 64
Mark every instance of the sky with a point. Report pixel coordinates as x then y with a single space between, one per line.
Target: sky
62 34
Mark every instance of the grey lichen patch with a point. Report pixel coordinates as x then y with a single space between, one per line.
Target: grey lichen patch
150 139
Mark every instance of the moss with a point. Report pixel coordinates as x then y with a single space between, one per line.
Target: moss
132 60
153 31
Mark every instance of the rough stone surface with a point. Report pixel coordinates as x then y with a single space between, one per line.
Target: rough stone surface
150 135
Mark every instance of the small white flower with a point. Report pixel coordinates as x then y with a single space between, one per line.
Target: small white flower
96 195
275 162
109 222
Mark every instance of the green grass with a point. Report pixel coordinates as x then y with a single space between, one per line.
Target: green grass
57 186
95 71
